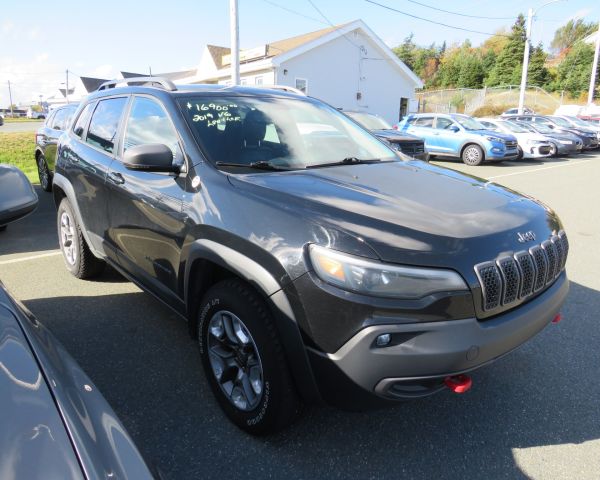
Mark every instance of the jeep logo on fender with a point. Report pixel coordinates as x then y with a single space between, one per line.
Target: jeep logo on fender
526 236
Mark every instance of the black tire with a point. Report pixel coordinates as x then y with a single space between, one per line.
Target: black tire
277 405
553 149
520 155
472 155
44 174
79 259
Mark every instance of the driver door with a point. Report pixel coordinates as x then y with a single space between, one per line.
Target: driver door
448 136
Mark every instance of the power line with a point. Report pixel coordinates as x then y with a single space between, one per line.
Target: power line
295 12
457 13
434 22
336 27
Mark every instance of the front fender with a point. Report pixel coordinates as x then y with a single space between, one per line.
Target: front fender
277 300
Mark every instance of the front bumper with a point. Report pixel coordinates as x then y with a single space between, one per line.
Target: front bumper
540 150
421 355
497 153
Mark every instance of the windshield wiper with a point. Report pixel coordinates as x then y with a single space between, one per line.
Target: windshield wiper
261 165
346 161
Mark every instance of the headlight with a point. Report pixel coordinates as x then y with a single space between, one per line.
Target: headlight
495 139
379 279
566 142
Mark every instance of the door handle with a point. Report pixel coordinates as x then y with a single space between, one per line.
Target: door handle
116 177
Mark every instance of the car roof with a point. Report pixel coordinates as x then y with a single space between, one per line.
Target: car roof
185 90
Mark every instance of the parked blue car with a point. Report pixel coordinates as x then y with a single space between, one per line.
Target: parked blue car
460 136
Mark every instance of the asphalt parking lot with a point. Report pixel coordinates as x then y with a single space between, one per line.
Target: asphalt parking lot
533 414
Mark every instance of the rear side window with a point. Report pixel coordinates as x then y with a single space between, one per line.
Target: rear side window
443 123
105 123
149 123
423 122
82 120
60 120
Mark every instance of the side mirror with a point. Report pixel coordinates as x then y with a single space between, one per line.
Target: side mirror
17 196
152 157
453 128
78 131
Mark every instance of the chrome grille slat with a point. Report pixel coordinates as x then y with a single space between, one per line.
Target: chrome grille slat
491 284
512 278
541 267
527 271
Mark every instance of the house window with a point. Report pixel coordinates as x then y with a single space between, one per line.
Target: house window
258 81
302 85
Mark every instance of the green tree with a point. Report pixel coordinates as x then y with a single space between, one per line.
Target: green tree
574 30
510 58
471 72
573 74
406 51
537 73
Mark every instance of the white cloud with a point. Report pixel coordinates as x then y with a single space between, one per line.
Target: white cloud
581 13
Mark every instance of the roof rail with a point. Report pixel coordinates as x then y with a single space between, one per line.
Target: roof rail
284 88
163 82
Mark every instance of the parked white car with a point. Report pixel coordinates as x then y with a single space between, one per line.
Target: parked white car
531 145
35 115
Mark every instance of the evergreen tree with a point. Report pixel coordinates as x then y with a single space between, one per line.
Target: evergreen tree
574 30
510 58
406 51
537 73
575 70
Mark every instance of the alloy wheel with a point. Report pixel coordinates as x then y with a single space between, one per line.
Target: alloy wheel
43 173
472 155
67 236
234 360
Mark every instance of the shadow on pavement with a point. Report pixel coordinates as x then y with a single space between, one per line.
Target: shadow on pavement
34 233
140 356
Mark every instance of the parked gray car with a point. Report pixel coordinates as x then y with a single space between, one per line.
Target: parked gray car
563 143
55 423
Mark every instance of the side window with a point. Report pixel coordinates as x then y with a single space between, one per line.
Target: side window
423 122
271 134
443 123
59 121
50 119
70 112
82 120
105 123
488 125
149 123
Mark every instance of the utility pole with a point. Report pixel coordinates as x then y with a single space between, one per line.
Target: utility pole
594 68
525 62
10 98
235 42
530 14
67 84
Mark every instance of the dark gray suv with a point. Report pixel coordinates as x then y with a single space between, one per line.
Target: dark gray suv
310 261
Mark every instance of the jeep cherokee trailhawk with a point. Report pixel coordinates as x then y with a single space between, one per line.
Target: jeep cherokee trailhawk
310 260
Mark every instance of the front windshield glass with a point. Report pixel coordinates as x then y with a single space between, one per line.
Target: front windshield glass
468 123
287 133
514 127
369 121
561 121
543 128
580 122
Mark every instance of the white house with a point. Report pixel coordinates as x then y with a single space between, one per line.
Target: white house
347 66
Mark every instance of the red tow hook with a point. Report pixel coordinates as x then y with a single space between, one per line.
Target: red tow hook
458 383
557 318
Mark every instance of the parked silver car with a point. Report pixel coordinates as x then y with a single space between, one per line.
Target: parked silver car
531 144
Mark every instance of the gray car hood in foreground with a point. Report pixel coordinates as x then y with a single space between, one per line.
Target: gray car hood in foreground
410 212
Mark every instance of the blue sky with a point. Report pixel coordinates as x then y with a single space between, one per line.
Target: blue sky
38 42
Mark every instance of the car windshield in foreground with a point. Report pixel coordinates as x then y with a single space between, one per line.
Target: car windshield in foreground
468 123
369 121
275 133
561 121
514 127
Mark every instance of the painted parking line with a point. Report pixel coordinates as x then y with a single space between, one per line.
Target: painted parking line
539 169
31 257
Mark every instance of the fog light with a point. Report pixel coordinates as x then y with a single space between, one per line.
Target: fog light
383 340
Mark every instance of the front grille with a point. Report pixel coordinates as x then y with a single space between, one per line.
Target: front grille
511 144
411 148
513 278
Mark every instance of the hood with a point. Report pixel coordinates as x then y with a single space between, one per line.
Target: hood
502 135
409 212
395 135
526 137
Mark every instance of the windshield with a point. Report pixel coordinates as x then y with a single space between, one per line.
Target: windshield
369 121
468 123
514 127
286 133
561 121
543 128
579 121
